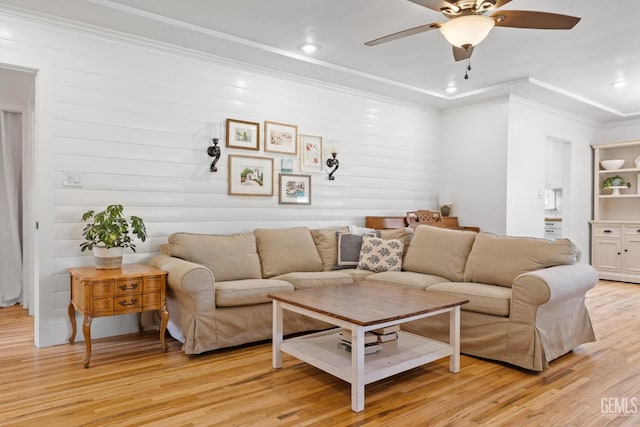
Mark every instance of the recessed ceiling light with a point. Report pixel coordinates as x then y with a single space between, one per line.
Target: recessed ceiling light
620 83
309 47
451 89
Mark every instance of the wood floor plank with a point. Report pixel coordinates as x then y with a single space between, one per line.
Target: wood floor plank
132 382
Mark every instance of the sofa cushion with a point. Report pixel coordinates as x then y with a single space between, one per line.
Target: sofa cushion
485 299
349 245
407 278
285 250
498 260
229 257
380 255
326 242
439 251
315 279
404 234
248 292
356 274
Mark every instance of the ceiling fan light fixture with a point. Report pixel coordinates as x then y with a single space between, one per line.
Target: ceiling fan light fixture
309 47
619 84
467 30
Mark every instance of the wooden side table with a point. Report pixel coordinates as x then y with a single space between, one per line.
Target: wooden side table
134 288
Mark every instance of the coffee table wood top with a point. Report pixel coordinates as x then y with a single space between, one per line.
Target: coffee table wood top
367 302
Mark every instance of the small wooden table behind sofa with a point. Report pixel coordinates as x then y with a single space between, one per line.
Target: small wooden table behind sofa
390 222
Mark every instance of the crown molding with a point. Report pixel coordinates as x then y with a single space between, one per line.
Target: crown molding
64 24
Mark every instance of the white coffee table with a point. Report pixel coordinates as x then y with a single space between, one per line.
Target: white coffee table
361 307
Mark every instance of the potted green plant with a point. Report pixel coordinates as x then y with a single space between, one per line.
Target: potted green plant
108 232
615 183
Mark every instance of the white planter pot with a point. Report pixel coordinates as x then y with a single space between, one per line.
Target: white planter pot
108 258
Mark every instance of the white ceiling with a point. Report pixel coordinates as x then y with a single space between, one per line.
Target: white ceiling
570 70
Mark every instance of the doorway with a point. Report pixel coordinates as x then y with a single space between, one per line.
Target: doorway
557 188
17 108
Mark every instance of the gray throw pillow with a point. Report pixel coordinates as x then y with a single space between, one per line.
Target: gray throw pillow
349 245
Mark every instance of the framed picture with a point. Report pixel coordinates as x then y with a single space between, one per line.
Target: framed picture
280 138
244 135
250 176
286 165
311 153
295 189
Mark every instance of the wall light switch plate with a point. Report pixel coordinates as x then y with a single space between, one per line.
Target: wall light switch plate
72 178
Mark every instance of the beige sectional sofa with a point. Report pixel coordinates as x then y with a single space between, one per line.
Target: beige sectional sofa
526 296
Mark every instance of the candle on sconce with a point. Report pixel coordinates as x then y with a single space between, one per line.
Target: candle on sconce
214 131
334 149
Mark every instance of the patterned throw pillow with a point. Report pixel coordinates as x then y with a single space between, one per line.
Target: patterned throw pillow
349 245
380 255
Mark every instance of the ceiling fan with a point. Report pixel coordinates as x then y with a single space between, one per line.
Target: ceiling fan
468 25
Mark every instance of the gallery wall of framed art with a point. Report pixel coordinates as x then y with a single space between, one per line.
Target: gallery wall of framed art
283 146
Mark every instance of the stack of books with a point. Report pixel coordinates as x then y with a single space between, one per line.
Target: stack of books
386 334
371 344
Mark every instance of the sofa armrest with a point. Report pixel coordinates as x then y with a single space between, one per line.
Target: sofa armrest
552 300
191 303
552 284
186 277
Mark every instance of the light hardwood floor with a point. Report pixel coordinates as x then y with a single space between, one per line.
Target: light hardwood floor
132 382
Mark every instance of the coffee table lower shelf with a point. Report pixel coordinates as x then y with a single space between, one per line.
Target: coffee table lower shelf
407 352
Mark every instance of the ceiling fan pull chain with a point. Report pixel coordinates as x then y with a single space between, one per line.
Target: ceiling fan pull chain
466 73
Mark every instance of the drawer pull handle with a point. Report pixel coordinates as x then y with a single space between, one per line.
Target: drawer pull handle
129 288
637 231
608 231
124 303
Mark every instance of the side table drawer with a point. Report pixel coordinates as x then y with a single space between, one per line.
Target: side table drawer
130 286
153 284
101 289
102 307
130 304
151 301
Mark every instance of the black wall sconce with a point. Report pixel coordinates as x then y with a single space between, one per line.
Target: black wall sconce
332 162
214 151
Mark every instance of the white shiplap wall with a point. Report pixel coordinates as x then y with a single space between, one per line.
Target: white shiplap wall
133 119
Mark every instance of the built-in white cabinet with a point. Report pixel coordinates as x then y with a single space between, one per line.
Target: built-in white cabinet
615 228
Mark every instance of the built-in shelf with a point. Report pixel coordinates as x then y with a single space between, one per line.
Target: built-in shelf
621 196
615 171
615 229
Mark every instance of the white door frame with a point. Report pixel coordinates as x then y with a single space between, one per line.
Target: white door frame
30 268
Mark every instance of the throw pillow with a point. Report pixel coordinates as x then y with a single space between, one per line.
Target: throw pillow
439 251
349 245
356 229
326 242
498 260
380 255
284 250
229 257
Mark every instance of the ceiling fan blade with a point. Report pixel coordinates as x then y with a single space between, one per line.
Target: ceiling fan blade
534 20
436 5
405 33
459 54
